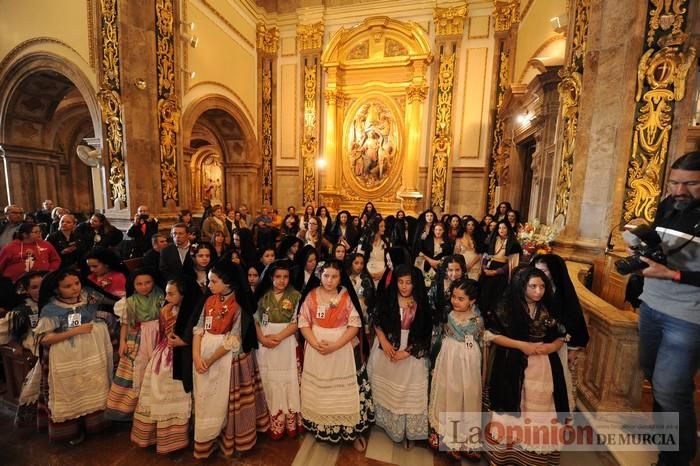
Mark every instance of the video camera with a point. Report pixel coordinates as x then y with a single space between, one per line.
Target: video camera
645 242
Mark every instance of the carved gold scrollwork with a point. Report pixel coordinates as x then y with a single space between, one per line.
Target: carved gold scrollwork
168 108
309 145
662 74
500 151
449 21
569 93
569 98
267 133
442 142
416 93
310 36
268 38
505 14
110 99
667 14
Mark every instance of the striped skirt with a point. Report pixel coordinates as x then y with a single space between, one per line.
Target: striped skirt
536 404
163 412
247 411
124 392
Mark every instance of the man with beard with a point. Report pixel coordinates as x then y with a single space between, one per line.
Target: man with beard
669 315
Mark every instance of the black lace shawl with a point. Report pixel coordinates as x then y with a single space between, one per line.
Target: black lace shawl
389 317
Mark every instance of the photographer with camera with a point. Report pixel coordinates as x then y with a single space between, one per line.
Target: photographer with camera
141 231
668 255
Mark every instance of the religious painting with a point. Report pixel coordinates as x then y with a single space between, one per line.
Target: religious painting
211 180
372 143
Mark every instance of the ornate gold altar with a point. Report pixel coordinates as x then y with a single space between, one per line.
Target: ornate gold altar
375 92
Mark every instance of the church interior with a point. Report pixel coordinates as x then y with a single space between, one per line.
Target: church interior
571 111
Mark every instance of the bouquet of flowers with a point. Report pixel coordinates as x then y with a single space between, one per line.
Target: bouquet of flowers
536 237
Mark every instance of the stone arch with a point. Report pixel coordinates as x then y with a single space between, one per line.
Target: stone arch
47 106
211 124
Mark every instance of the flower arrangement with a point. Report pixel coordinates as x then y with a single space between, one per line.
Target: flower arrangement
536 237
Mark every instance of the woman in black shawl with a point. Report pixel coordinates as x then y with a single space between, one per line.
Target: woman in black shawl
527 375
397 370
305 263
502 255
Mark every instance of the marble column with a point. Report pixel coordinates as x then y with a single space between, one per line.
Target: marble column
606 121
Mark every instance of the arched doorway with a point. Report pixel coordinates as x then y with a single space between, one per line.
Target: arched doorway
47 108
221 153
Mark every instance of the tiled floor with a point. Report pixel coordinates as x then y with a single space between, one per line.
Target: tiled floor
114 448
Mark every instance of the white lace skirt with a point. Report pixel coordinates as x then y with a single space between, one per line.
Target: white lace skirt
329 391
211 391
278 371
456 388
402 386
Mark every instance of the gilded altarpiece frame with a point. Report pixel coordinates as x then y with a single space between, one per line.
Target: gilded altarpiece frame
375 88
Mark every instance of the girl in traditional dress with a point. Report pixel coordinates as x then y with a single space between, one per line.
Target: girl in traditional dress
529 375
503 255
456 381
138 315
364 288
279 355
229 404
471 246
423 228
455 228
451 269
398 363
374 246
76 360
305 264
16 327
162 414
565 303
336 402
434 247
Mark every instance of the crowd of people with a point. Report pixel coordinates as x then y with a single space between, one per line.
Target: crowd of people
236 324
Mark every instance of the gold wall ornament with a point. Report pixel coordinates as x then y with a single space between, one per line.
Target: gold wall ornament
268 38
569 100
109 97
499 150
169 117
310 36
266 89
168 108
661 82
505 14
569 93
449 21
309 145
442 141
667 14
416 93
661 75
578 43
